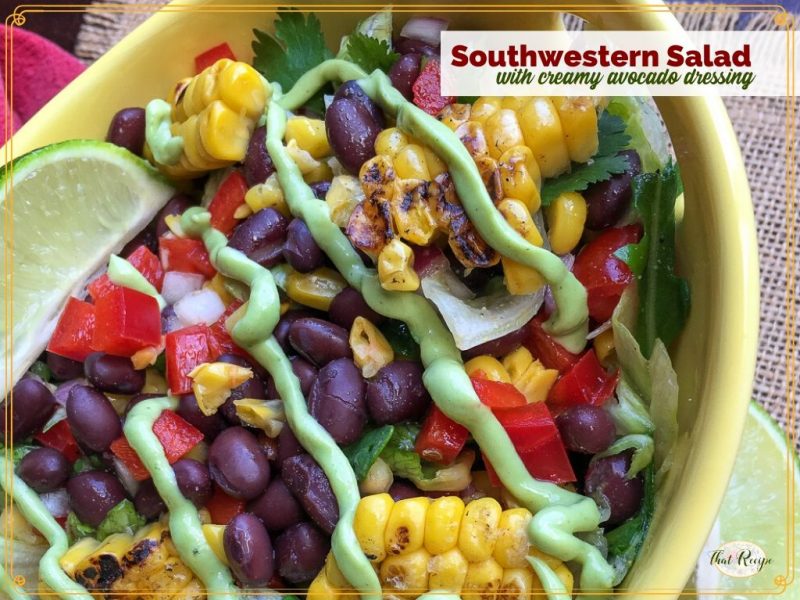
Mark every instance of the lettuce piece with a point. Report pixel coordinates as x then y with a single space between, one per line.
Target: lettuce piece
400 455
20 450
631 360
77 529
629 413
123 518
642 446
644 126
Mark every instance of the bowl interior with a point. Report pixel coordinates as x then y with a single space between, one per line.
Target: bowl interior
715 355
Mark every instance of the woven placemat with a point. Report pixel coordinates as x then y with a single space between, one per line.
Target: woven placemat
760 125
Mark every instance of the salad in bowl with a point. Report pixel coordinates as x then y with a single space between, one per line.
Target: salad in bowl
362 339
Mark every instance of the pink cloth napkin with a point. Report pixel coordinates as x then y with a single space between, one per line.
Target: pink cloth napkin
39 69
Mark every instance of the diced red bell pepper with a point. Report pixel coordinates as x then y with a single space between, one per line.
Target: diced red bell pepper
100 287
212 55
535 437
586 383
126 321
222 507
542 346
496 394
221 341
143 261
441 439
427 89
185 255
125 452
59 437
186 348
73 335
228 198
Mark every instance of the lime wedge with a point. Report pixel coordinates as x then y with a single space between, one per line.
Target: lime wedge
66 208
757 514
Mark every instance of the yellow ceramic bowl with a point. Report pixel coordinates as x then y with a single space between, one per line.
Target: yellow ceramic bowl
714 358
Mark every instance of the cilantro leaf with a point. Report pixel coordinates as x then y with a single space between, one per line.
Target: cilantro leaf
467 99
123 518
605 163
370 53
663 296
363 453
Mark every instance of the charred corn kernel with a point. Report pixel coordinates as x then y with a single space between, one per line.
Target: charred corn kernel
409 163
321 589
223 133
217 284
518 584
213 535
212 383
544 135
77 553
511 549
370 522
484 107
579 123
447 571
487 367
566 216
316 289
483 580
473 136
267 195
323 172
390 141
378 480
406 573
309 134
529 376
411 213
565 575
396 267
342 198
405 531
520 177
436 165
371 350
154 382
520 279
478 533
302 158
503 132
604 345
267 415
454 115
442 524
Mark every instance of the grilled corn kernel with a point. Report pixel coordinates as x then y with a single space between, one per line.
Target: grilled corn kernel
487 367
452 478
520 177
334 574
77 553
473 136
396 267
436 165
217 284
407 573
223 133
478 534
267 195
321 172
405 531
321 589
442 524
565 575
519 217
267 415
520 279
529 376
579 124
541 127
483 580
454 115
411 212
212 383
342 198
511 549
604 345
517 362
566 216
213 535
371 350
370 521
390 141
517 584
302 158
308 134
447 571
378 480
513 102
484 107
503 132
316 289
242 88
409 163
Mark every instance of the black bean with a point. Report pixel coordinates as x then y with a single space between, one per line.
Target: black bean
401 489
349 304
276 507
140 398
238 465
92 494
174 206
92 418
309 484
288 445
260 237
193 481
396 393
34 403
113 374
258 164
169 320
500 346
210 425
303 370
44 469
352 91
351 131
405 45
300 249
146 237
585 428
147 500
281 331
249 551
608 201
268 445
319 341
607 478
127 129
404 73
320 189
300 553
62 368
337 400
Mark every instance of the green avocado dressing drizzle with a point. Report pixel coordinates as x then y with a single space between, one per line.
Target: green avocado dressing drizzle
184 523
166 148
34 510
123 273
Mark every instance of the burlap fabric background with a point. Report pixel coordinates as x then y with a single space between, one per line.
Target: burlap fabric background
760 125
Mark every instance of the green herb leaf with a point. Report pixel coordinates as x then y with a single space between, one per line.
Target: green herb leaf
467 99
123 518
401 457
370 53
77 529
87 463
643 124
363 453
604 164
40 369
400 339
20 450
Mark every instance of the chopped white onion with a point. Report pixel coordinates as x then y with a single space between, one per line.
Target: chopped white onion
424 29
126 478
57 502
202 306
177 284
598 330
328 100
